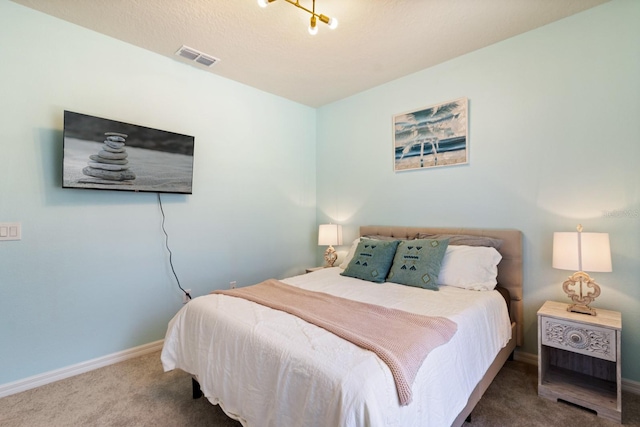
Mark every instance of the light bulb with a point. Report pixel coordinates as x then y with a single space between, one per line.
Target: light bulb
313 29
262 3
333 23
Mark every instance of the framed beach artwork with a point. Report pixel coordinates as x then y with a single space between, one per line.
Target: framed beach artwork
431 137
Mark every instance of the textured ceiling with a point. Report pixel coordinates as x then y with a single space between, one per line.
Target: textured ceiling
270 49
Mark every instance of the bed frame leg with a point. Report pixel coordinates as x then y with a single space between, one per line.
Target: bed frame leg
468 419
195 387
511 357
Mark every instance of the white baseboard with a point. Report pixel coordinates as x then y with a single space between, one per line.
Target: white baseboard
532 359
521 356
631 386
80 368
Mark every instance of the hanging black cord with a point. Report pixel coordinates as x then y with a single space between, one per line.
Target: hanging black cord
166 243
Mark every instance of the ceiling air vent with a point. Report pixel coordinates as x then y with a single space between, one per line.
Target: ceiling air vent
206 60
197 56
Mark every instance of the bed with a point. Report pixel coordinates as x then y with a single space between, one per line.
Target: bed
265 367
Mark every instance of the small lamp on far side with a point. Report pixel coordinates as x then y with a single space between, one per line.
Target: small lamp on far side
330 234
582 252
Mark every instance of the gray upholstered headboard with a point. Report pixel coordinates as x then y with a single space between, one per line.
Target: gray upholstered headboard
509 269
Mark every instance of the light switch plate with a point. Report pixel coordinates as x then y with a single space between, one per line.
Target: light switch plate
10 231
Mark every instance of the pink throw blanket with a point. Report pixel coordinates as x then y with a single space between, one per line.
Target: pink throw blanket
401 339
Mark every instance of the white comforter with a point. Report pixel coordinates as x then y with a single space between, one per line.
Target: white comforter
269 368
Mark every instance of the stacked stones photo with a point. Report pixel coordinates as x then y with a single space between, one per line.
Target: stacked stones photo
111 164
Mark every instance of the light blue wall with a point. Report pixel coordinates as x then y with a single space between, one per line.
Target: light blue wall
90 276
553 136
554 129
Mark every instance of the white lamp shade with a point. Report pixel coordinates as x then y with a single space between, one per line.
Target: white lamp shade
581 251
329 234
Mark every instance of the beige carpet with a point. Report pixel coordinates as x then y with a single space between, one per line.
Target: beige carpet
138 393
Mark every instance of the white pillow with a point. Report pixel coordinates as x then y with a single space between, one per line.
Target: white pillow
470 267
352 250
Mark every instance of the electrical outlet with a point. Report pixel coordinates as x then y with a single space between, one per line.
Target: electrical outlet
232 285
10 231
185 298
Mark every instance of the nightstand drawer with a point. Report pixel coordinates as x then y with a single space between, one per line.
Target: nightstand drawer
579 338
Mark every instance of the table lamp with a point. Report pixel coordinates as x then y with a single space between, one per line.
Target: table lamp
330 234
582 252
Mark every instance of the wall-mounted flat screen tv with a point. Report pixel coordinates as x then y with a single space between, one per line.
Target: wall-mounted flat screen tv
110 155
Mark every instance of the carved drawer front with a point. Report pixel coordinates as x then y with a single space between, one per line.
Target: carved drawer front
579 338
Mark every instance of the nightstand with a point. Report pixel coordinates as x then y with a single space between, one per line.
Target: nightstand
309 270
579 358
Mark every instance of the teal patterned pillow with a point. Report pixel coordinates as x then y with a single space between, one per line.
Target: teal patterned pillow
371 260
417 263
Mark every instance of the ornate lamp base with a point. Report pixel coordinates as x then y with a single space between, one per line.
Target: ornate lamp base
581 302
584 309
330 256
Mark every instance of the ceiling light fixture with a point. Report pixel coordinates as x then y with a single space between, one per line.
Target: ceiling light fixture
313 29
